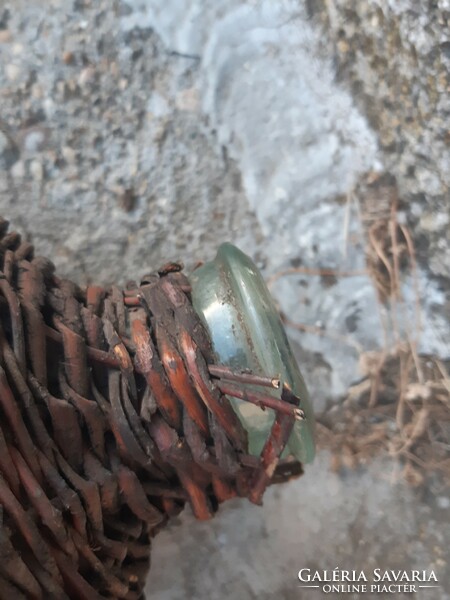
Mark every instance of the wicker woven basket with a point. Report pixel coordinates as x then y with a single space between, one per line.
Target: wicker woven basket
112 417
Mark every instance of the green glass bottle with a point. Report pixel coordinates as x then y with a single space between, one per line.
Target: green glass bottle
235 305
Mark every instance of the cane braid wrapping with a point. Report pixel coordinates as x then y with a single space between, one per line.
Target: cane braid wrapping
110 421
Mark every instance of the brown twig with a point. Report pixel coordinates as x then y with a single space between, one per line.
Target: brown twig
262 400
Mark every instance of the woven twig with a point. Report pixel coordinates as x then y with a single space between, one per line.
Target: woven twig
112 417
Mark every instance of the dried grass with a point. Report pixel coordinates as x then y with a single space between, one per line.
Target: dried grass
401 407
409 420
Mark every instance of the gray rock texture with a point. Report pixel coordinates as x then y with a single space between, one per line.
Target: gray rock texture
136 131
395 56
357 521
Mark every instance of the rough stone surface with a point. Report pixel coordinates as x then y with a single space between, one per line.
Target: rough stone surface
268 86
115 170
357 521
135 131
395 56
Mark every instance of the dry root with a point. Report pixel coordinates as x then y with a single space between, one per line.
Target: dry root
401 405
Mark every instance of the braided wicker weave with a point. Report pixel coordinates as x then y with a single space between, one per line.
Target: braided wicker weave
112 417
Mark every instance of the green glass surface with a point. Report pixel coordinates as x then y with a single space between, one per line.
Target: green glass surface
233 301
